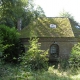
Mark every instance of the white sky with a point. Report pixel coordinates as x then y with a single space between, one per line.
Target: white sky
52 8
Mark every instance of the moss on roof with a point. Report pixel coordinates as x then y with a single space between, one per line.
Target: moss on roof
41 28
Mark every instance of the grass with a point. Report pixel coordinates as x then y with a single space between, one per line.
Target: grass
11 72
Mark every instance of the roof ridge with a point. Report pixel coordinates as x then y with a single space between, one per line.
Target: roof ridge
53 17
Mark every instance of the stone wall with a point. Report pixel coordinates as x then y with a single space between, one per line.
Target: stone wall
65 45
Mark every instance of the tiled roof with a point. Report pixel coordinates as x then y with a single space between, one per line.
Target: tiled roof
41 28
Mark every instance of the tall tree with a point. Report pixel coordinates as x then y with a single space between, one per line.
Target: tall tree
32 12
11 11
66 14
17 12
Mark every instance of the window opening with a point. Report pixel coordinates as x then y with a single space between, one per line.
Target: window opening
54 49
52 26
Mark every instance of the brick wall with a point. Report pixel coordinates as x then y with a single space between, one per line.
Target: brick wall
65 44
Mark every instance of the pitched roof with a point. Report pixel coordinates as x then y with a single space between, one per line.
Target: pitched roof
41 28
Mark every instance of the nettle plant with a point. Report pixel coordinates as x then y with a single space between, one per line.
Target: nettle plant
35 58
74 60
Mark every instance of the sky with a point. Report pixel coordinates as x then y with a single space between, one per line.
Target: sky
52 8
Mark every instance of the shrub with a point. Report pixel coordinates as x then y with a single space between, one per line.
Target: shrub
74 60
12 45
35 58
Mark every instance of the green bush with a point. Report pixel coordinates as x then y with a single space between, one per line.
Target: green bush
74 60
35 58
11 44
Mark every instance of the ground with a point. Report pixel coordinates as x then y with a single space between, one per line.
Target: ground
17 72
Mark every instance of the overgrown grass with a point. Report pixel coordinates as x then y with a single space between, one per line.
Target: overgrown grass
17 72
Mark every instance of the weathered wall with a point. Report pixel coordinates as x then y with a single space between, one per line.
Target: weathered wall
64 48
65 44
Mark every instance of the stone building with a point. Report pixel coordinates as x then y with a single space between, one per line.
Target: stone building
57 34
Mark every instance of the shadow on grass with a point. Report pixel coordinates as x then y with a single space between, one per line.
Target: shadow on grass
55 64
10 72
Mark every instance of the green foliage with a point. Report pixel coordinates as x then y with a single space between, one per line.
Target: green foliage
34 57
11 44
75 56
10 14
66 14
15 72
23 9
1 45
63 65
